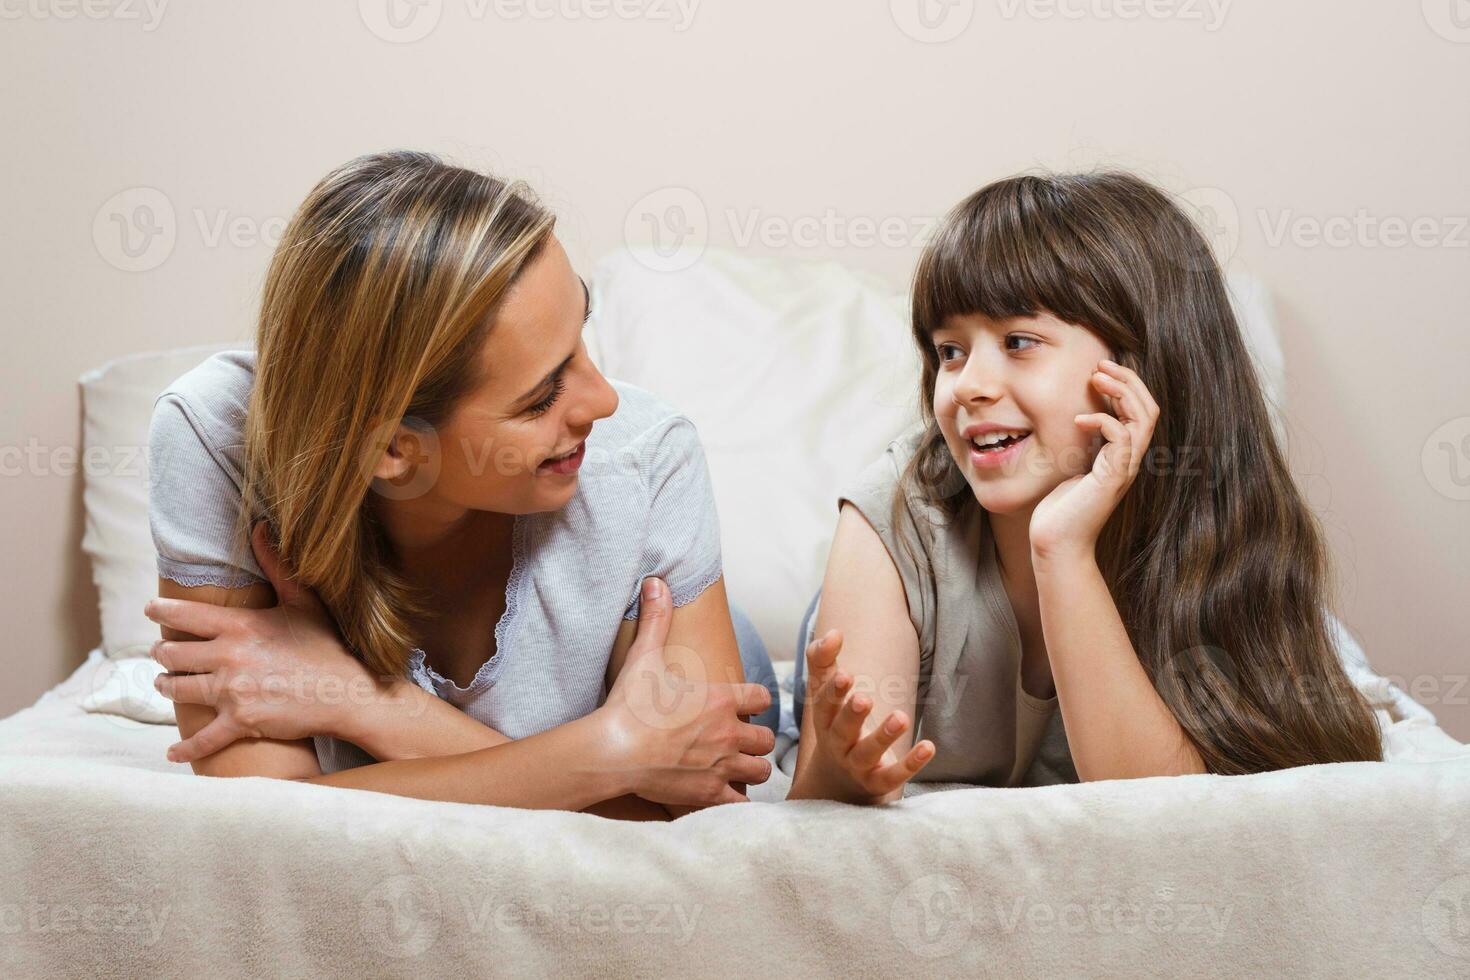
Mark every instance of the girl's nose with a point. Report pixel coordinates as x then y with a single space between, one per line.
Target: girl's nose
976 384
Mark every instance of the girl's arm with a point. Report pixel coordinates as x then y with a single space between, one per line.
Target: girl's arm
1117 725
855 731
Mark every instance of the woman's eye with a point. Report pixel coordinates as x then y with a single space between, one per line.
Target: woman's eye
1018 339
544 405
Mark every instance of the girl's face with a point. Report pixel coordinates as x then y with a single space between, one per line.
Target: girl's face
537 399
1020 381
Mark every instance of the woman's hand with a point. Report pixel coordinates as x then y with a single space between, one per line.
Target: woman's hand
1070 518
279 673
866 762
678 736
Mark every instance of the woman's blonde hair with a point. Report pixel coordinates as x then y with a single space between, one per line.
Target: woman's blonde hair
376 307
1216 563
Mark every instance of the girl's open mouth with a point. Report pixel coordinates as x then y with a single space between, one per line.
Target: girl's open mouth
568 463
996 448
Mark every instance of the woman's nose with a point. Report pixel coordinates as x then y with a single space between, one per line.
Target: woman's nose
600 401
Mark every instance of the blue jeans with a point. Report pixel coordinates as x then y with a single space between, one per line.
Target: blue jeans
757 664
798 690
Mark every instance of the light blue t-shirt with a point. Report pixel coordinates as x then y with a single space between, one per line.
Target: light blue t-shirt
644 506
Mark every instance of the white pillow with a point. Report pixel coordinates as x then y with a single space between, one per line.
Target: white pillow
797 374
117 404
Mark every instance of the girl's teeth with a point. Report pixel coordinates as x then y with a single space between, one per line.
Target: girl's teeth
992 439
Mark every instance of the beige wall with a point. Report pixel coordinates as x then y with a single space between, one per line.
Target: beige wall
1279 116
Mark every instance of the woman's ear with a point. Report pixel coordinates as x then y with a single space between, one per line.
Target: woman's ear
398 455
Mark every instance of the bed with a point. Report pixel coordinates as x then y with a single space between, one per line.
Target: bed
117 862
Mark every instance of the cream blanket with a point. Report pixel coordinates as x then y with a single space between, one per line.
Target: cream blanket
115 862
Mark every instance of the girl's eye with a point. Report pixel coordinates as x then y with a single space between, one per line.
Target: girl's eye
544 405
1020 339
947 352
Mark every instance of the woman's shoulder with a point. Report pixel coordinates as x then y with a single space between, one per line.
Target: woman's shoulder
213 396
642 423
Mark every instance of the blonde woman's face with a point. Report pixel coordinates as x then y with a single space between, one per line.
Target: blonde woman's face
515 443
1028 378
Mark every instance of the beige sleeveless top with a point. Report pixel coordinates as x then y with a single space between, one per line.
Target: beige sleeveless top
987 730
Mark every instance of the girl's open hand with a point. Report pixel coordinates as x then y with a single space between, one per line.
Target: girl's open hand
1072 516
867 762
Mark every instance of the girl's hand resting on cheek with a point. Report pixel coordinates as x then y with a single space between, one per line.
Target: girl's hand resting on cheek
1070 518
866 762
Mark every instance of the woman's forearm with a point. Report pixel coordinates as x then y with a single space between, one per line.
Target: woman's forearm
1117 725
565 768
407 722
403 721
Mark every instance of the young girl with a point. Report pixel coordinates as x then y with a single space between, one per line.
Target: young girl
460 617
1093 516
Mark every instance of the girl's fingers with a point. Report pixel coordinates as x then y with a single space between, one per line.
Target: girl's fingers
890 777
821 658
1125 400
849 723
829 698
1115 460
868 752
187 688
1130 377
188 656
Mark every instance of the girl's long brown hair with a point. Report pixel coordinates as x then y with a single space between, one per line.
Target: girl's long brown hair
1216 563
376 306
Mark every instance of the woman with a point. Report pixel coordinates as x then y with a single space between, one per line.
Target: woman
467 508
1094 516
